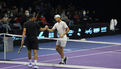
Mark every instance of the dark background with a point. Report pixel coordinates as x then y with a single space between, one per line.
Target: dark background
105 9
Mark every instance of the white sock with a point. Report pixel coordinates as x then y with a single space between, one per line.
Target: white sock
62 59
30 60
35 61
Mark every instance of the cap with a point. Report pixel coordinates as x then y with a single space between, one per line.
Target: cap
57 16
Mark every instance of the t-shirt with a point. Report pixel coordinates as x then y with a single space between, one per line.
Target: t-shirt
32 29
61 27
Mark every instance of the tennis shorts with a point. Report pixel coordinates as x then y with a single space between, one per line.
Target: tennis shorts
31 44
62 42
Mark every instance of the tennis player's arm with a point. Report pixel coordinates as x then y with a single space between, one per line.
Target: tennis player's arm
50 30
42 29
67 30
23 35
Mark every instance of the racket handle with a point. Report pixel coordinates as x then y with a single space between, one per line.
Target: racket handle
19 50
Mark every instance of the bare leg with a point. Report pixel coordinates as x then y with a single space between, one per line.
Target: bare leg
29 55
35 59
30 58
60 50
35 54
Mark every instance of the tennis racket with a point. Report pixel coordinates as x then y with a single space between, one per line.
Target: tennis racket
20 48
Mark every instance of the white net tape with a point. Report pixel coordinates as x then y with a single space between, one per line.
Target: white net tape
100 42
55 65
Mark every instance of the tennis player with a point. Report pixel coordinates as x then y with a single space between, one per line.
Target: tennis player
31 30
62 29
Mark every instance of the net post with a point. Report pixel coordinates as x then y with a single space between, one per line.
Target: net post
4 37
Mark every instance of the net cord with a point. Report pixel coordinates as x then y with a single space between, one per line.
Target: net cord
55 65
86 41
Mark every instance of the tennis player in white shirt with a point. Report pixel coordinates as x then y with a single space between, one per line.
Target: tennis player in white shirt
62 30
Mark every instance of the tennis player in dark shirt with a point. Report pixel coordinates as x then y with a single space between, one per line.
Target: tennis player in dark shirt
31 31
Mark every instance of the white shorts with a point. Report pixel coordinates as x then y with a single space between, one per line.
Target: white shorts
62 42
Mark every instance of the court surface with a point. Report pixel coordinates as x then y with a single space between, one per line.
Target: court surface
82 54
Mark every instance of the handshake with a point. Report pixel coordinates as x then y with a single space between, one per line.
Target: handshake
51 30
46 27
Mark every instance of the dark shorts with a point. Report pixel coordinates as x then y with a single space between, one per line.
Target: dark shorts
31 43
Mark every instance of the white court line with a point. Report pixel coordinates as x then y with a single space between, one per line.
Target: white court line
71 58
53 49
11 67
70 52
50 49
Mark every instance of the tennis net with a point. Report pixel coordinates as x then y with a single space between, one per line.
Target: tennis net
81 53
